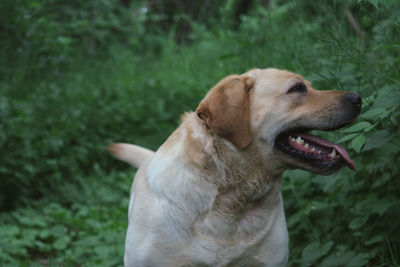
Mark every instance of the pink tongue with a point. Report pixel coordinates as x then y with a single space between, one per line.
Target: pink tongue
319 141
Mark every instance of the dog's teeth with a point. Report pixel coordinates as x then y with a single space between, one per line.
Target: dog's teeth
313 149
319 151
333 154
299 139
306 145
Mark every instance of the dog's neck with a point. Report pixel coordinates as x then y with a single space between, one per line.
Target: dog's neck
247 186
239 171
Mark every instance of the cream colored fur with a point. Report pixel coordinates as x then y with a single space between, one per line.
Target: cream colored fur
132 154
201 200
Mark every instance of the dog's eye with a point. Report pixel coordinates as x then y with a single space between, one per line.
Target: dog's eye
298 88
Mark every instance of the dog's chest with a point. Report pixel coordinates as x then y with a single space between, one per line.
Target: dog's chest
245 243
211 252
271 250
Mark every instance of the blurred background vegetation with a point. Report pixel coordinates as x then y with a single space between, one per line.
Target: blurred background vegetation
78 75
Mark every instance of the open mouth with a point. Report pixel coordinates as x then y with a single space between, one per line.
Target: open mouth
314 150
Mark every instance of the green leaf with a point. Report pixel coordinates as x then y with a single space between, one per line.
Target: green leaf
293 220
357 127
382 180
102 250
315 251
374 240
62 243
380 206
347 138
371 204
377 139
367 129
358 222
374 2
373 113
387 97
358 142
44 234
58 230
359 260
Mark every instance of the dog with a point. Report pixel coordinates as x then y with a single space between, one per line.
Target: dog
211 194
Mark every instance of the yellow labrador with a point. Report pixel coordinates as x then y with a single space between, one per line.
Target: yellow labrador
211 194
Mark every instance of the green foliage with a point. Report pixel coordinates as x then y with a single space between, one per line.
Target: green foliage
79 75
51 31
84 233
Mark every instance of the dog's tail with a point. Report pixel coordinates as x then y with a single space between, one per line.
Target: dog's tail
132 154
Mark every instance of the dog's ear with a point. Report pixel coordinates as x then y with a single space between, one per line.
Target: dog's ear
225 109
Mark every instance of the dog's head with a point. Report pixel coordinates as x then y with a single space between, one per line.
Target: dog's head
273 109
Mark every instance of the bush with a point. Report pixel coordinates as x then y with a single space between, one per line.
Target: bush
47 233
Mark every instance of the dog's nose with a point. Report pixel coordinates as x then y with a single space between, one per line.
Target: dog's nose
354 99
